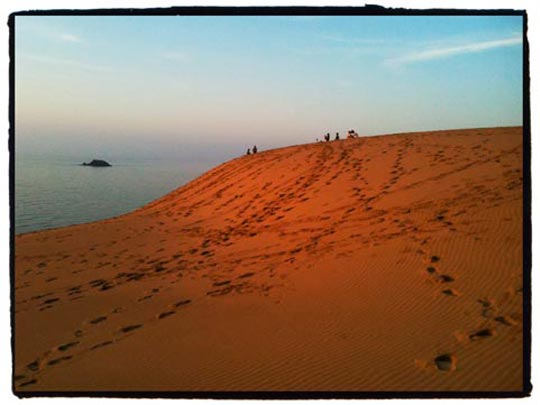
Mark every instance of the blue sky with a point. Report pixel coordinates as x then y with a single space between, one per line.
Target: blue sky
165 84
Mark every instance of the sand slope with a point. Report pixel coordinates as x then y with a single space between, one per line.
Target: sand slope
388 263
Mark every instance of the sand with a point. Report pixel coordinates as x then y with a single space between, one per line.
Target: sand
389 263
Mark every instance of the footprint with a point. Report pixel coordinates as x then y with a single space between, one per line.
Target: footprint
67 346
180 303
34 366
245 275
223 291
435 259
50 301
134 276
485 303
102 344
488 308
450 292
431 269
106 286
58 360
98 320
75 290
130 328
165 314
446 278
26 383
481 334
506 320
97 283
220 283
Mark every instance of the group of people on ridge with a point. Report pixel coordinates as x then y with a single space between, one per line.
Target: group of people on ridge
327 137
351 133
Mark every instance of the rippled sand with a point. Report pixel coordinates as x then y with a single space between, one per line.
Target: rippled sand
390 263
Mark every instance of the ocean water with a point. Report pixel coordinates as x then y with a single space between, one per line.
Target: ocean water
54 192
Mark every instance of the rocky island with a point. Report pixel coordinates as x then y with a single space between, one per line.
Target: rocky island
97 163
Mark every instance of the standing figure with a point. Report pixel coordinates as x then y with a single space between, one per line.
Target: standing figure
248 152
327 137
337 136
254 149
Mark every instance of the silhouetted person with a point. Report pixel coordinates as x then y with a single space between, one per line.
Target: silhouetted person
337 136
352 134
248 152
254 149
327 137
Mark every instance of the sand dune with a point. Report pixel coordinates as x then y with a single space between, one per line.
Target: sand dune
390 263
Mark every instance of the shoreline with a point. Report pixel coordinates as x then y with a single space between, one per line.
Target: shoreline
410 133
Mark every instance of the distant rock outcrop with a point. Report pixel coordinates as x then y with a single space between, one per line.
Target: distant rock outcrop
97 163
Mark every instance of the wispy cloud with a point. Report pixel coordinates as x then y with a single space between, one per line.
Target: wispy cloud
66 37
348 46
49 32
176 56
67 63
446 52
359 41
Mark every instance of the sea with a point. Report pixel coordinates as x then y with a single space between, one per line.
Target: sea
52 192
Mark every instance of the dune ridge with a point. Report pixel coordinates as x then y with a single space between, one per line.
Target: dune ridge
389 263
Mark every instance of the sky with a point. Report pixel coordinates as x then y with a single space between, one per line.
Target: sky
169 85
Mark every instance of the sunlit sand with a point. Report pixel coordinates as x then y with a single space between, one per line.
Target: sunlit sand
389 263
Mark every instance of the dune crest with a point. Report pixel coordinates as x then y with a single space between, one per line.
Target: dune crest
390 263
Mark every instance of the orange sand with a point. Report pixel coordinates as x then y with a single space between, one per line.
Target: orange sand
350 265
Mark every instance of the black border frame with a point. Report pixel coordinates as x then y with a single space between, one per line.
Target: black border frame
368 10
